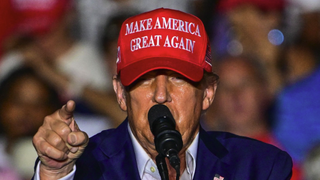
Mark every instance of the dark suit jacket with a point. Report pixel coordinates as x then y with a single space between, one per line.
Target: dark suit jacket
110 156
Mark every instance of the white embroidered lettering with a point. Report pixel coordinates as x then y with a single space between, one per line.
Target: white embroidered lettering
167 42
175 24
173 44
158 37
129 28
149 26
190 31
136 27
197 31
142 28
157 25
166 24
181 45
144 42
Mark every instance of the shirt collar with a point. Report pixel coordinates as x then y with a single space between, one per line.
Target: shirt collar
191 155
142 157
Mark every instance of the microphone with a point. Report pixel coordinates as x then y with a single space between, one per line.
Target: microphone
167 139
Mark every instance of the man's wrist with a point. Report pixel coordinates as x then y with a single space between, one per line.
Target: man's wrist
70 176
47 173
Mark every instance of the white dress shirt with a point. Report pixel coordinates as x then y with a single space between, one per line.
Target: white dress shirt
147 168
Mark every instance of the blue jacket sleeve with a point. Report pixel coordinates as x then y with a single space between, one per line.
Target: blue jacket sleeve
282 167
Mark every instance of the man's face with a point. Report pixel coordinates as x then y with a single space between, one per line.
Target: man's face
185 99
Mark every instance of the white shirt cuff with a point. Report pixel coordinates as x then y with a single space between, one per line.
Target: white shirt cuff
70 176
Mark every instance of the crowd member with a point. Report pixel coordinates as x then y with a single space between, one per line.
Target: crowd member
253 28
296 116
170 67
74 68
45 28
298 62
301 55
109 39
25 99
104 104
242 99
94 15
243 103
297 108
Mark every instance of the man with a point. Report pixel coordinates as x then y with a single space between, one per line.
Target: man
163 58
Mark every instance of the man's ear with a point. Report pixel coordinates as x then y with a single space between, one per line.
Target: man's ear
120 92
209 93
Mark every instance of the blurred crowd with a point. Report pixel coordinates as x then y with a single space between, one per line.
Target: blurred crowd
266 53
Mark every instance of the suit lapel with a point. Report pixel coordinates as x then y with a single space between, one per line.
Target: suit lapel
121 161
211 159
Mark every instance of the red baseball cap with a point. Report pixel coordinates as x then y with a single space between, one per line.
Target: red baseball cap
163 39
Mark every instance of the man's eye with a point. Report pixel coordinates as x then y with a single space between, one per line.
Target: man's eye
177 76
178 79
144 80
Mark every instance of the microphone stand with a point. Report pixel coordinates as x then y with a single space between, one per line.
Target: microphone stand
175 163
162 167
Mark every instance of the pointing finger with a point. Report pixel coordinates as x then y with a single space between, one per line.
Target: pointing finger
66 112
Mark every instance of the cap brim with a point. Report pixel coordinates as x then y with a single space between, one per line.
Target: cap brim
133 71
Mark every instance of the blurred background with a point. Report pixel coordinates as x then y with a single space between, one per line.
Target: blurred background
266 52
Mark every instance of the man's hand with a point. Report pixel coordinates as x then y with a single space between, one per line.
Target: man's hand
59 143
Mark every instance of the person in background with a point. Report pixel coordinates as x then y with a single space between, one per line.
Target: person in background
73 67
242 99
253 28
109 39
25 99
301 56
296 116
297 108
92 16
47 30
243 103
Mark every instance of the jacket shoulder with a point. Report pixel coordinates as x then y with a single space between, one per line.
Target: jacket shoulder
249 155
235 142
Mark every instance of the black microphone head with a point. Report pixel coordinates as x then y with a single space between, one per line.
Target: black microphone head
167 139
159 111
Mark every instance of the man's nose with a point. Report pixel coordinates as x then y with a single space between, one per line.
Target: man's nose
161 89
